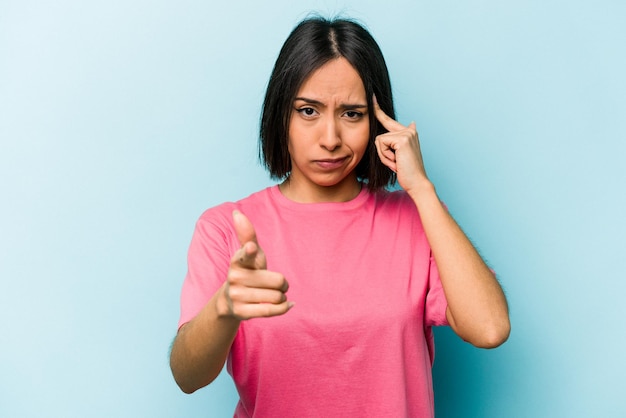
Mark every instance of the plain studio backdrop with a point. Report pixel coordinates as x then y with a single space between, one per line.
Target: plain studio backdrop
121 121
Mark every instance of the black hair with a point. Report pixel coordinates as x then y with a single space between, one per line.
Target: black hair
314 42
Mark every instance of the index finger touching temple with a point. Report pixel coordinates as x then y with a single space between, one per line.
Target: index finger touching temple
387 121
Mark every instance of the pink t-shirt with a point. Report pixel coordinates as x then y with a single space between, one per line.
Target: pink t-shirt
358 341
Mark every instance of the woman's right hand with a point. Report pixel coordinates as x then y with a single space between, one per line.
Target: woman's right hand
250 290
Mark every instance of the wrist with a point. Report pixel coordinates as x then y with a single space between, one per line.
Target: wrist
422 192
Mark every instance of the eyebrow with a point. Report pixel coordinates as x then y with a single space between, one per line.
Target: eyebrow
342 105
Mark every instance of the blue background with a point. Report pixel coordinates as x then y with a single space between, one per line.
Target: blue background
121 121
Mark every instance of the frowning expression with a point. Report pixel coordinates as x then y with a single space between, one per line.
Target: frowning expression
328 129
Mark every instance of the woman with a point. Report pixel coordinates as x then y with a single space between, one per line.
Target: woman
321 291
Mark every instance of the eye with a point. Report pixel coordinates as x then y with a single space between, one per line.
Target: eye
306 111
353 114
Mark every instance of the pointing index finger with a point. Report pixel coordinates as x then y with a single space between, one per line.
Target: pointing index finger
243 227
388 122
250 255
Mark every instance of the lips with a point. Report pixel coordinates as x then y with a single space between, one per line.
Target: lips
330 163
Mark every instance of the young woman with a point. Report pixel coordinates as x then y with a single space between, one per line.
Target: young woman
321 291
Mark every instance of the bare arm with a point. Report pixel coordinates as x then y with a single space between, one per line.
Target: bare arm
202 345
477 308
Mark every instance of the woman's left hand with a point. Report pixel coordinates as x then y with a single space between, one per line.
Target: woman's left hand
477 308
399 149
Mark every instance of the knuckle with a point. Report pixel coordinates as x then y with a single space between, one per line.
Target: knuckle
278 298
234 293
234 276
281 282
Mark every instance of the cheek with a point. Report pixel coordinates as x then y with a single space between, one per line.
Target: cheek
289 150
364 137
292 135
292 142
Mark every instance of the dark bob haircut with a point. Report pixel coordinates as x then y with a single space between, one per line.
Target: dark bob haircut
314 42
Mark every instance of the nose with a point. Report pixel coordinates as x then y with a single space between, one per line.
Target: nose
330 137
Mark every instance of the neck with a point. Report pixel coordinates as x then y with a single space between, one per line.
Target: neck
343 192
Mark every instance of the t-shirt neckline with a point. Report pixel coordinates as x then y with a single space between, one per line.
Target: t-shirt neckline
287 203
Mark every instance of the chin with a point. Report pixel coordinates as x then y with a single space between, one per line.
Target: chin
330 182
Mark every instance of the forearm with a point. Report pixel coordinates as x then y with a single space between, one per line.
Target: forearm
477 308
201 347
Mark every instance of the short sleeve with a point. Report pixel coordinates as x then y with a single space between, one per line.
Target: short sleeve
436 303
207 263
435 310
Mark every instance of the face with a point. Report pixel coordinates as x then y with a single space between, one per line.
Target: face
328 134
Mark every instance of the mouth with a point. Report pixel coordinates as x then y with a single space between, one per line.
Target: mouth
330 163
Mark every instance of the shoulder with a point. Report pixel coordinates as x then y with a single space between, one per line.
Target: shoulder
220 217
396 209
394 200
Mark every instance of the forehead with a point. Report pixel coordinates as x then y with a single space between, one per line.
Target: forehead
336 78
